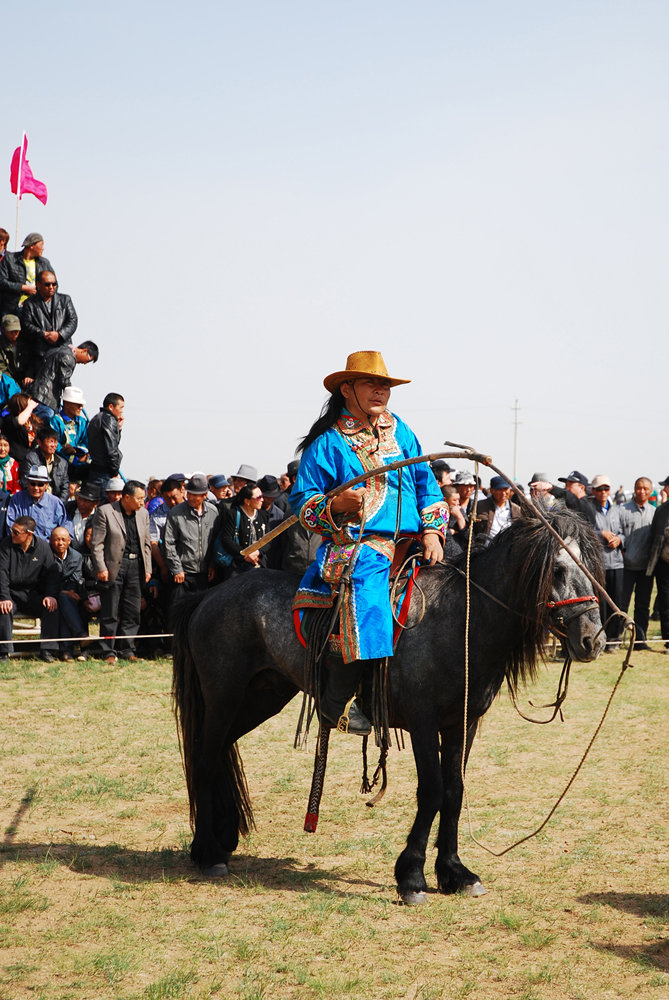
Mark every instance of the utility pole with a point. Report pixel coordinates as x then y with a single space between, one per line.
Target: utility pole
516 411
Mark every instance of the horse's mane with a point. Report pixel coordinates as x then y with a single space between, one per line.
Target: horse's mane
526 552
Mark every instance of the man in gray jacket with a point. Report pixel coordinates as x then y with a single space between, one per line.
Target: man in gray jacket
121 553
188 537
611 535
636 518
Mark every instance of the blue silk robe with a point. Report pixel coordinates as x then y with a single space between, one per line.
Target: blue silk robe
343 452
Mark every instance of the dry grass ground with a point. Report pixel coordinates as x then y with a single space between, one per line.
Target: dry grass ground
98 898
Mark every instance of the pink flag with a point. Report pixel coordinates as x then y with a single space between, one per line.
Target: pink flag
21 176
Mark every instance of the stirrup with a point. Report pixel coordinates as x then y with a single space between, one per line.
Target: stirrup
351 721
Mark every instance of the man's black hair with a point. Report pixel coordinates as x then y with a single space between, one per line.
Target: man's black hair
91 349
131 487
46 432
169 485
112 399
27 522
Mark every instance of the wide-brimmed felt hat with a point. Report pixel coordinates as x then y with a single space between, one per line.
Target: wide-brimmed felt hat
539 479
362 364
90 491
197 484
269 486
248 472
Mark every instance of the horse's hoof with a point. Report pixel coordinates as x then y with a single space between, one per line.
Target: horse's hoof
413 898
475 889
216 871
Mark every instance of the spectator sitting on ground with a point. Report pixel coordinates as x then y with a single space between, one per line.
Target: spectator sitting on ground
48 320
28 583
9 469
69 563
46 510
72 428
45 454
18 272
13 353
104 438
79 510
54 376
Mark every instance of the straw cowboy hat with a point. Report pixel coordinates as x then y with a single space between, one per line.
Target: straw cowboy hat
362 364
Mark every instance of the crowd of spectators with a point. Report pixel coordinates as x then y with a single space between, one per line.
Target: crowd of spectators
633 533
78 541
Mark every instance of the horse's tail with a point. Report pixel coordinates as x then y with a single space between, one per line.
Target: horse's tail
189 713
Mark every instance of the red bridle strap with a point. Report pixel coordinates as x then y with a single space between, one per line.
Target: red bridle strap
572 600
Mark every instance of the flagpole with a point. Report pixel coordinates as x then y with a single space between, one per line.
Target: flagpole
18 189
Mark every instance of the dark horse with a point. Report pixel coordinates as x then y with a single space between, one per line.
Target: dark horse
237 662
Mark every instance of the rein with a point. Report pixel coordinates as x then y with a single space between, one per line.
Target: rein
564 676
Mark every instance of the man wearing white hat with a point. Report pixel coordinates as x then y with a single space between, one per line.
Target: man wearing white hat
356 432
71 426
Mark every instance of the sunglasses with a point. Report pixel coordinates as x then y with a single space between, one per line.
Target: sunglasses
601 489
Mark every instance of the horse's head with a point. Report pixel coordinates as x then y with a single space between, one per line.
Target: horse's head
573 606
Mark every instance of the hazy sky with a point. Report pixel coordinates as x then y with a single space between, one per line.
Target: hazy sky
242 194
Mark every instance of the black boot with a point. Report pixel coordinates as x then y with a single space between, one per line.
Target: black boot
338 705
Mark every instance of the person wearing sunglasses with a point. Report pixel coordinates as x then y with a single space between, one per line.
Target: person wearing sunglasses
49 319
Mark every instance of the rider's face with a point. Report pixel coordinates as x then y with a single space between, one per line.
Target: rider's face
366 396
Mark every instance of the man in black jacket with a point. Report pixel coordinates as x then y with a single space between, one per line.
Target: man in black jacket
18 272
54 375
48 320
46 454
28 583
104 437
575 495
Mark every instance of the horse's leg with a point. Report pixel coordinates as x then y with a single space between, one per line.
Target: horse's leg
452 876
411 884
224 808
216 827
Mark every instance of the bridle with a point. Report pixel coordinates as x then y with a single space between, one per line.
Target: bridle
564 619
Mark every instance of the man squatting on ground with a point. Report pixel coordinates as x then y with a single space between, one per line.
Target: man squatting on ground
356 432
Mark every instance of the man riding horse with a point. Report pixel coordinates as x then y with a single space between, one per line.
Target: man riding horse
360 527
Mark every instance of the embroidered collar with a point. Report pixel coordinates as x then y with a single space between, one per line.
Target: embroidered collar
348 425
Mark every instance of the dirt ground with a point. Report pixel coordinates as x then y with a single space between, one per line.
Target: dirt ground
98 898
